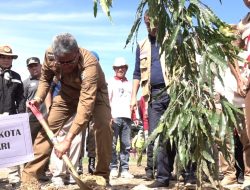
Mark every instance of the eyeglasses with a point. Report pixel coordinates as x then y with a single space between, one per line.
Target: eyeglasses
121 67
68 62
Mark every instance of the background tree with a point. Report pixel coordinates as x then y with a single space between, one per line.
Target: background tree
197 46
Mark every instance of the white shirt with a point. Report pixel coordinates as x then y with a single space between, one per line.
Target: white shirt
229 90
119 97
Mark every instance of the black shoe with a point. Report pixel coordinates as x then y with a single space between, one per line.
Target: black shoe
221 176
149 176
173 177
108 184
80 170
156 184
69 181
91 166
15 185
240 178
43 178
190 180
246 187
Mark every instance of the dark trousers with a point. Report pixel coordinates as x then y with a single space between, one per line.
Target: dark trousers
238 153
35 127
165 154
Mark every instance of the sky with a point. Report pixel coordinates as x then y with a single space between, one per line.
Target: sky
28 26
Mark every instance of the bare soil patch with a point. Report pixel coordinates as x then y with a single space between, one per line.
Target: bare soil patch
137 183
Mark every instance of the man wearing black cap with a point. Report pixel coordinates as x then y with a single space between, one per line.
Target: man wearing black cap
30 87
11 96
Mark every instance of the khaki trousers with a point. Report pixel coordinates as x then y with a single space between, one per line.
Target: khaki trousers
229 169
60 112
57 166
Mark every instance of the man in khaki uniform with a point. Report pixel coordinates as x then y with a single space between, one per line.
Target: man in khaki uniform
84 92
11 97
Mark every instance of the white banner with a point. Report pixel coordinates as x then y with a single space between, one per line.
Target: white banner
15 140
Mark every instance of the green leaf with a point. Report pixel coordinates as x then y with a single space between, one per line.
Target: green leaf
182 154
95 8
229 111
171 42
174 125
206 170
106 4
207 156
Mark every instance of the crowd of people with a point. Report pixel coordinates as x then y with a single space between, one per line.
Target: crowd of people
71 91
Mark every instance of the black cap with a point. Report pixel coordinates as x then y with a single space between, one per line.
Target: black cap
32 60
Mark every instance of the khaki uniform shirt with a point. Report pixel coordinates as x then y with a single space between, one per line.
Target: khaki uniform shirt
86 84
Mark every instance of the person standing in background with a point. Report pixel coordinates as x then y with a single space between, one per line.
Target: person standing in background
143 112
228 89
11 97
30 86
60 174
119 95
90 141
151 73
243 89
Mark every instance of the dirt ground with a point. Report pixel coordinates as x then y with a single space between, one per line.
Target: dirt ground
138 183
